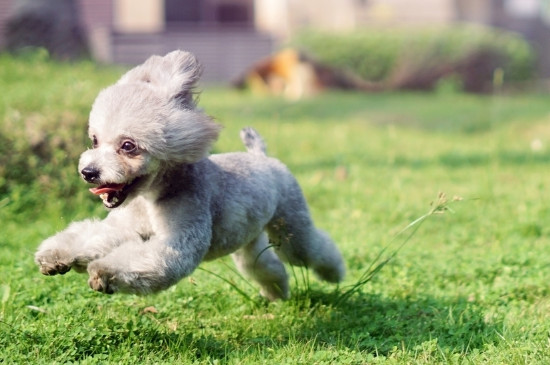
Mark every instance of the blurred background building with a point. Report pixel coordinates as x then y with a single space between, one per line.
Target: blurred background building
229 35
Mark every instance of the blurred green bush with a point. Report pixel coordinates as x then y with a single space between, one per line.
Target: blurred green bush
400 58
44 110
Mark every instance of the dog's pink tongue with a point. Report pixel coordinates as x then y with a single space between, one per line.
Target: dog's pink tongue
107 188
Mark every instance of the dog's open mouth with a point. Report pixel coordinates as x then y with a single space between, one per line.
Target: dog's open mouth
112 194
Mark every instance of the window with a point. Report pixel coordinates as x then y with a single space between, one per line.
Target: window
209 11
232 13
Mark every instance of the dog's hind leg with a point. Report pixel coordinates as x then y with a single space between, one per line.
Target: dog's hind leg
259 261
300 243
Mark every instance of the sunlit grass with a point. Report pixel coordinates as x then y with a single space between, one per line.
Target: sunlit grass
465 287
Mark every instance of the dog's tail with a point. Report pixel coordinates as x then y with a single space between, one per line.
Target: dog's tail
253 141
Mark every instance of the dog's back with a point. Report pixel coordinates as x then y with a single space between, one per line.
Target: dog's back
263 195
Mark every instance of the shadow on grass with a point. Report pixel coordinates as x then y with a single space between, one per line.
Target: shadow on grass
377 325
369 324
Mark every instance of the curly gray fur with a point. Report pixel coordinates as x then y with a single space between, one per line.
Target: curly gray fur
172 205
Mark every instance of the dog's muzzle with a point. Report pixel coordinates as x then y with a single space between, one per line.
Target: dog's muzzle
112 194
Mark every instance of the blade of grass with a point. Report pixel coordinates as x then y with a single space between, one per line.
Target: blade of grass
233 285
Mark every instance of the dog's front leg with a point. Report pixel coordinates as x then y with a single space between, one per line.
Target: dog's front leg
81 243
143 267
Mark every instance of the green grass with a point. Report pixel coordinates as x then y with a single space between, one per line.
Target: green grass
470 286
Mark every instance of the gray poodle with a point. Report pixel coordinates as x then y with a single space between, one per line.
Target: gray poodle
173 206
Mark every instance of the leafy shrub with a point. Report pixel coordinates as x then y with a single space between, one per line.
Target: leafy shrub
43 120
393 56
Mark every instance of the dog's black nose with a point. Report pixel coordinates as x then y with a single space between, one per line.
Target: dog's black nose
90 174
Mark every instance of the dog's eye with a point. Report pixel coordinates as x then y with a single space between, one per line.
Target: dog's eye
94 141
128 146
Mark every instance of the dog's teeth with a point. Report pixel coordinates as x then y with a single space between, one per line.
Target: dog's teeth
104 196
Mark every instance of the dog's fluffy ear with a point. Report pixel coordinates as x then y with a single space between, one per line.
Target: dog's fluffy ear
174 74
187 136
184 134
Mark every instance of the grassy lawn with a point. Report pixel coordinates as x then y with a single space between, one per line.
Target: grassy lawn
468 286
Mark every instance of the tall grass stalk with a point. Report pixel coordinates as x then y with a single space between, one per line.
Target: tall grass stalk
440 206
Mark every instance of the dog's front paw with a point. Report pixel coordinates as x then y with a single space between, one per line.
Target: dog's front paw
53 261
102 279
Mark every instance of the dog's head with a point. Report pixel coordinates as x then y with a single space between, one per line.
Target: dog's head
147 120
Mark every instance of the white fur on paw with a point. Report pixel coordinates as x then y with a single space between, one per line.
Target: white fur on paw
53 262
101 280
